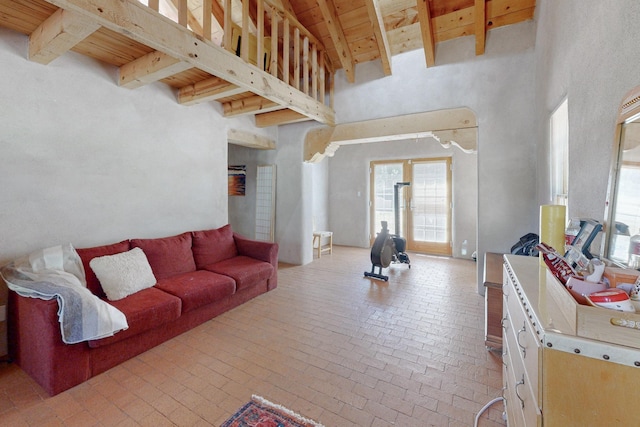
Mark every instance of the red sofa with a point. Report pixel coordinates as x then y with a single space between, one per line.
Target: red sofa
199 275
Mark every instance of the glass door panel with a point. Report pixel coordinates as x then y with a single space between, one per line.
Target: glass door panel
430 207
384 176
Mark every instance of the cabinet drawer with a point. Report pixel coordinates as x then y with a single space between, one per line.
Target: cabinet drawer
524 343
522 407
512 406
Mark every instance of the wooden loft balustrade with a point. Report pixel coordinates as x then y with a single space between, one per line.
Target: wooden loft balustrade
181 52
285 48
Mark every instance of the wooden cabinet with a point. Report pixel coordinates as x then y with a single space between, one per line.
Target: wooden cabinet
493 300
521 356
551 376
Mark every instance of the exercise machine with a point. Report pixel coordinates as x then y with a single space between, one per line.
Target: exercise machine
388 248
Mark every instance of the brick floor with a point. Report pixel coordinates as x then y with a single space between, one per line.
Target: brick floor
327 343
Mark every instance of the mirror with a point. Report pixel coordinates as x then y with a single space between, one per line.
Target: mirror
622 242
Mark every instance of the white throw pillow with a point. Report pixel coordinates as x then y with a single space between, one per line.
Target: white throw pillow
123 274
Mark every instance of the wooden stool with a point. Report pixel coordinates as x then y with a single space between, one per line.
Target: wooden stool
319 235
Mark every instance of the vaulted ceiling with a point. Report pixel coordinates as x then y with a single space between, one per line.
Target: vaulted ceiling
303 43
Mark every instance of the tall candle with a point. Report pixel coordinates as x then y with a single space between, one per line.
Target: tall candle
552 226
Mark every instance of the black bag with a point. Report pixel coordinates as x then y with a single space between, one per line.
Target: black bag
526 245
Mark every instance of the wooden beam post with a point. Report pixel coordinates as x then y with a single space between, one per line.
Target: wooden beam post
260 35
323 82
286 46
274 42
305 65
244 42
182 12
296 58
314 72
227 28
206 18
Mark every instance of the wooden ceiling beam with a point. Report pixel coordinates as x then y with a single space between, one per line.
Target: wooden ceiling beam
281 117
207 90
426 30
251 140
142 24
330 15
480 24
286 5
250 105
375 15
58 34
150 68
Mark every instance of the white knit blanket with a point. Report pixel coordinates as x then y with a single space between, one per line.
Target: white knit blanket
58 273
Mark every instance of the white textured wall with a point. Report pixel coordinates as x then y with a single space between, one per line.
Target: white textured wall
350 188
499 87
586 50
87 162
294 204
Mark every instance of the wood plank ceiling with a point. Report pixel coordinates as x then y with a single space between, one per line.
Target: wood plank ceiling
188 49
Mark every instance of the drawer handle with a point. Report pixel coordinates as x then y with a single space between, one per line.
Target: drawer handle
524 350
502 322
519 383
625 323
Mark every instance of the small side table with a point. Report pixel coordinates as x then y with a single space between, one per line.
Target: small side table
493 300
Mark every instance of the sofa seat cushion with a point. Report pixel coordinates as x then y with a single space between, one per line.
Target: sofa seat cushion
168 256
198 288
211 246
145 310
245 271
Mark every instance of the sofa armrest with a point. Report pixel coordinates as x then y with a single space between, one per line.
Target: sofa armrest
258 249
35 343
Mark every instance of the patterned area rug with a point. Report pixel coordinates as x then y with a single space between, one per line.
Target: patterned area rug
260 412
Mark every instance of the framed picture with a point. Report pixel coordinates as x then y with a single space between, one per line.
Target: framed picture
237 177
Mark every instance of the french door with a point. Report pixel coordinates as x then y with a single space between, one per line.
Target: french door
424 216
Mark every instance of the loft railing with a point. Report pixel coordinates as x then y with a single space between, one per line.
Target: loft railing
287 50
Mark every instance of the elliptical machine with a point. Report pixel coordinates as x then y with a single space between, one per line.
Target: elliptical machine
388 248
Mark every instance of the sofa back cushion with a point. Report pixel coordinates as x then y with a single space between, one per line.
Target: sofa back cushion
123 274
211 246
168 256
87 254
